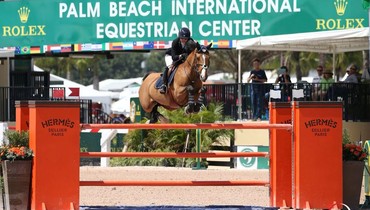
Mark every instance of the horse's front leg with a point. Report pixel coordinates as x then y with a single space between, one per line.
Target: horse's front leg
190 106
202 100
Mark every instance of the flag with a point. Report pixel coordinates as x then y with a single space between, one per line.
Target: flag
116 46
128 45
96 47
66 48
76 47
17 50
138 45
58 93
149 45
159 45
35 49
366 4
74 91
25 50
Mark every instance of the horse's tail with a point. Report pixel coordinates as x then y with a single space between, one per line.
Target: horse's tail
146 75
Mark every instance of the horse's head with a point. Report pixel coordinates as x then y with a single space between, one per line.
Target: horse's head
203 61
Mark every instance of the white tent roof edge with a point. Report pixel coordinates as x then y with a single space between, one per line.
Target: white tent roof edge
333 41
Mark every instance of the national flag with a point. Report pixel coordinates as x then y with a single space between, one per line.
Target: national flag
66 48
58 93
159 45
223 43
45 48
54 48
86 47
138 45
366 4
77 47
116 46
35 49
17 50
96 47
128 45
25 50
204 42
149 45
73 92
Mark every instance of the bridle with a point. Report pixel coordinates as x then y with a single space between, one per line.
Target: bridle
200 68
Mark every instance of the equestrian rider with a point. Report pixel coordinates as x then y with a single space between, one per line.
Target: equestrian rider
177 53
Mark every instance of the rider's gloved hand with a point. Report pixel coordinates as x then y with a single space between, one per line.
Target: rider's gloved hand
182 56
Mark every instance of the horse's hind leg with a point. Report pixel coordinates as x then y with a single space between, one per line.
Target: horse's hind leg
154 115
201 101
190 106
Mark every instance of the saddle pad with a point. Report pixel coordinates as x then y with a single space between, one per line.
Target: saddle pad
159 81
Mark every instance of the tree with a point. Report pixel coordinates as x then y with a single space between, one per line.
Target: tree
155 62
227 60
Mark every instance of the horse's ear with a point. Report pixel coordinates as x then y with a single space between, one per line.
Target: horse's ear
209 46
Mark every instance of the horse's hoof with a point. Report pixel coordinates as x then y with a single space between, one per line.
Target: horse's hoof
189 109
196 108
147 122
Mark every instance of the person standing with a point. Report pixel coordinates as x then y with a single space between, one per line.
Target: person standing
316 83
318 77
325 85
352 74
258 77
285 81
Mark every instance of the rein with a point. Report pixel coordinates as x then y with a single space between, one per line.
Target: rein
194 66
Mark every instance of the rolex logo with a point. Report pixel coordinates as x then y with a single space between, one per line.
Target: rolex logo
24 12
340 6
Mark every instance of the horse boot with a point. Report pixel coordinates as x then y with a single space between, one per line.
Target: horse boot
202 100
163 88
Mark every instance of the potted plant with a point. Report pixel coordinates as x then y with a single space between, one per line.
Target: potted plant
354 157
16 163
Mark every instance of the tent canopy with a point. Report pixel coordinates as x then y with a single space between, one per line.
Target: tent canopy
334 41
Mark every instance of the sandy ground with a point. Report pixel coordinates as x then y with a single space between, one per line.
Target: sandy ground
173 196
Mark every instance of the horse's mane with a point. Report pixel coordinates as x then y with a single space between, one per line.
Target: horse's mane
190 46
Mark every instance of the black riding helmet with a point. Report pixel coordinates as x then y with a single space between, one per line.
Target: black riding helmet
184 33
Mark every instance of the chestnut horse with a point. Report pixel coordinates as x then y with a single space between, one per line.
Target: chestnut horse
184 90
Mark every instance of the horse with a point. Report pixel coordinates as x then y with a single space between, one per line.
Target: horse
186 88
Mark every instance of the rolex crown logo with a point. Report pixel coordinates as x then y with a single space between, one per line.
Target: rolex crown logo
340 6
24 12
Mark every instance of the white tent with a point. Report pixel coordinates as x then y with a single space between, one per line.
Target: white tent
117 85
122 106
85 93
334 41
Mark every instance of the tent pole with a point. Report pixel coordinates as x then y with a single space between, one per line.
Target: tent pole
239 87
335 76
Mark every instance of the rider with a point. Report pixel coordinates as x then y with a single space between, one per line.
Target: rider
176 53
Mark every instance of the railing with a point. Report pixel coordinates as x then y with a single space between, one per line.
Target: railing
355 97
8 96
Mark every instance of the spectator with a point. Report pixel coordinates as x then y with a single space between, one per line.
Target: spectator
258 77
365 75
325 84
319 75
316 83
284 79
352 74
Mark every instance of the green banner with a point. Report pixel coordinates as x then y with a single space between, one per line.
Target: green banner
37 26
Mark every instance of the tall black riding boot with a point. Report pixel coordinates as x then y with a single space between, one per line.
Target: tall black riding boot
163 88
